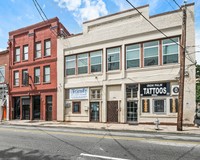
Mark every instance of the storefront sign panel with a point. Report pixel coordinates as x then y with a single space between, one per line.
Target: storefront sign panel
78 93
155 89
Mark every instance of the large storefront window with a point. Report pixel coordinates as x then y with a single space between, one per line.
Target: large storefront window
151 53
170 50
113 58
36 107
159 106
132 56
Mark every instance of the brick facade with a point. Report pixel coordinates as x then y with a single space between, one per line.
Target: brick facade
25 89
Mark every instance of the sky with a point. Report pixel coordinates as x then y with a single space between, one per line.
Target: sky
15 14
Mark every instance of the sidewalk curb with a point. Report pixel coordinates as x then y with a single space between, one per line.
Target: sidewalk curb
105 129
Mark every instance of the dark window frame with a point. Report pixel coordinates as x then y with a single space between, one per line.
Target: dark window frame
79 107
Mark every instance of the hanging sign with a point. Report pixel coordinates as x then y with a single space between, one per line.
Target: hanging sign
78 93
155 89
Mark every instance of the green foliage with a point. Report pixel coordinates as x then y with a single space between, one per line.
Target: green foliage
197 92
197 71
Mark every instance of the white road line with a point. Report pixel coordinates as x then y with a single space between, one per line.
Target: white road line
101 157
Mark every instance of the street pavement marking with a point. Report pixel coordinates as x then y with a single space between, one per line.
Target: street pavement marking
39 131
101 157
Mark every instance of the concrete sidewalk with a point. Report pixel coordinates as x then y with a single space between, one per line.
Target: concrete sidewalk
104 126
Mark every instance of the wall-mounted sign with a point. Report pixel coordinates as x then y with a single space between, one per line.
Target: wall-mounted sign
155 89
78 93
175 90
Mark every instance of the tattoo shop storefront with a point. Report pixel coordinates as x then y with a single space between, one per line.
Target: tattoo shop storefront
158 100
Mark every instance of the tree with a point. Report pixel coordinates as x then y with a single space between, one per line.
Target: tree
197 83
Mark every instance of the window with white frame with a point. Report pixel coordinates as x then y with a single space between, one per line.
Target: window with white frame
132 56
17 54
170 50
95 94
46 74
2 74
16 78
38 50
37 75
70 64
151 53
25 52
96 61
159 106
82 63
47 47
113 58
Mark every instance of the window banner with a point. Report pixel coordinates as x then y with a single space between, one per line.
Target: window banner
78 93
155 89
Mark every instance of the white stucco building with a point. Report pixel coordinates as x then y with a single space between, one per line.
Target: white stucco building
122 70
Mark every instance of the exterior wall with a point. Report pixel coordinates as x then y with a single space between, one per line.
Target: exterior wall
4 63
30 36
121 29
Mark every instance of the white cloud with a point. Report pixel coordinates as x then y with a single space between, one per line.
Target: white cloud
43 6
84 10
123 5
71 5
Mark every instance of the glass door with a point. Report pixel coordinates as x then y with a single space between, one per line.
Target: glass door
132 115
94 111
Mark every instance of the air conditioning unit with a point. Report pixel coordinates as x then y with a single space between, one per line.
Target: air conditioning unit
174 90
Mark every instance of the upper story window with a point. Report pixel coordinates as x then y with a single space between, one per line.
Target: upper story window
17 54
47 47
37 75
82 63
16 78
25 52
170 50
2 74
70 65
132 56
96 61
151 53
113 58
25 77
47 74
38 50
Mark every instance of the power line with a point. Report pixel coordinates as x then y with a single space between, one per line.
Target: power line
39 9
177 3
158 29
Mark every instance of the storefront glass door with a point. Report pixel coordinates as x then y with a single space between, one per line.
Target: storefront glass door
26 108
36 107
94 111
132 115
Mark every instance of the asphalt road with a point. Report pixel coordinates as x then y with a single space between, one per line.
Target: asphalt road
34 143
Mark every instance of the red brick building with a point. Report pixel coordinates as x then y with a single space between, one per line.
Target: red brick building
4 80
33 65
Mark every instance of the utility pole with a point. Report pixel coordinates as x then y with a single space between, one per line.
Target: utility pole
182 72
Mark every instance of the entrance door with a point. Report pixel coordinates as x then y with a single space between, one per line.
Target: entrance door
132 115
36 107
49 108
26 108
112 111
94 111
16 103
